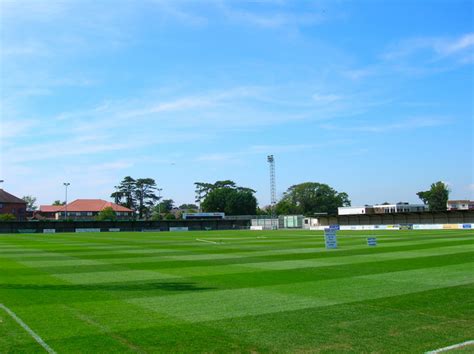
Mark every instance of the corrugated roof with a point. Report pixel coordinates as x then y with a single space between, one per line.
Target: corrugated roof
92 205
6 197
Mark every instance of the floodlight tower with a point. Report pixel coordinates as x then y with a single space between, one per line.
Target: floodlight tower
271 161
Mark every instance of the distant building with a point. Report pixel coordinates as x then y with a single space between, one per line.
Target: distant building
401 207
460 204
84 209
9 204
48 211
367 209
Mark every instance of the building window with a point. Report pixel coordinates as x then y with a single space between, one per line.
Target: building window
89 213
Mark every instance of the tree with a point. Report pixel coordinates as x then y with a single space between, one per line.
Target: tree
139 195
188 207
30 202
145 196
125 193
226 196
286 207
170 216
311 197
163 207
7 217
437 197
58 202
107 213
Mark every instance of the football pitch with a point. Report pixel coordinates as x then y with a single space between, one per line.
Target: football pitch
236 291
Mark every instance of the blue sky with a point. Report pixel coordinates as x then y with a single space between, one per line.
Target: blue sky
374 98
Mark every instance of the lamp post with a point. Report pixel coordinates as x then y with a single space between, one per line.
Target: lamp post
66 184
159 202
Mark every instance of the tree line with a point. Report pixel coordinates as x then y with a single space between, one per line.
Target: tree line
308 198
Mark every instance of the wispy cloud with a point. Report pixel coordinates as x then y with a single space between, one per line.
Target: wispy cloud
326 98
408 124
275 19
432 48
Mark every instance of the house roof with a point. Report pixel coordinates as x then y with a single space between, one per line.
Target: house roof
50 208
6 197
92 205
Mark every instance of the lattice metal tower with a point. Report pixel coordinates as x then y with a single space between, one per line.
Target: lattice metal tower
271 161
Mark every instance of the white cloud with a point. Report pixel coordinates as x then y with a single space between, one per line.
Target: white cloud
322 98
436 48
408 124
14 129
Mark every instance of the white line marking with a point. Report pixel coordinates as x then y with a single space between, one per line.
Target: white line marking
28 329
451 347
198 239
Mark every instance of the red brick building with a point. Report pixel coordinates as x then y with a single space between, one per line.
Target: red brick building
84 209
9 204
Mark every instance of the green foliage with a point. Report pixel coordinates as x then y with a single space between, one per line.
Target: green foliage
165 205
170 216
139 195
437 197
286 207
225 196
7 217
311 197
189 207
30 202
106 214
58 202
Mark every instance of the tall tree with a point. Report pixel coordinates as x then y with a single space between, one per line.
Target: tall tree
145 194
137 194
226 196
58 202
30 202
125 193
436 197
311 197
201 190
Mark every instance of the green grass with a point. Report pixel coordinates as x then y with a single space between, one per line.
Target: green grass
252 291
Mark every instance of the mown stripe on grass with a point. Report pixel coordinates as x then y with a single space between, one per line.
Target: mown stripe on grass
220 304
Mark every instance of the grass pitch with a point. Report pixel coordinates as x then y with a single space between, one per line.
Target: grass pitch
237 291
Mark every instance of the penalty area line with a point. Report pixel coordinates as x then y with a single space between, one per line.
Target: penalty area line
451 347
198 239
28 329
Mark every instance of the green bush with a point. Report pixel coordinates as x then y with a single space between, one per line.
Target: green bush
7 217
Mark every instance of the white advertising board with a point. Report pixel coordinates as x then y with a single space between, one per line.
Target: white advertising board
87 230
114 229
179 228
49 231
256 228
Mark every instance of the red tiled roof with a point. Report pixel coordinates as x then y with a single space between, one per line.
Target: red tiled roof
50 208
6 197
93 205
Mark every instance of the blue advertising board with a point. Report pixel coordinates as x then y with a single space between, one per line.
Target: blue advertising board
371 241
330 238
